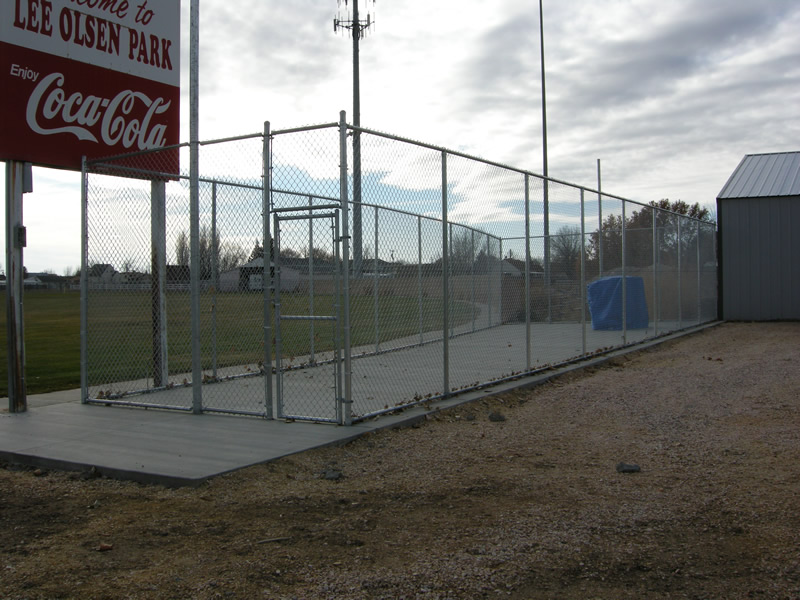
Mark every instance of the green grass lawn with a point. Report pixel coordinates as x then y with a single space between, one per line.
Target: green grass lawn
120 339
52 341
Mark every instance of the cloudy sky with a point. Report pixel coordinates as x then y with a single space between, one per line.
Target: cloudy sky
669 95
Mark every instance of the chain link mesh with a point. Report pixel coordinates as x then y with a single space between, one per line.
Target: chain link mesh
460 272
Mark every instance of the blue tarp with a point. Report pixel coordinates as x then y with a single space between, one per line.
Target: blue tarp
605 303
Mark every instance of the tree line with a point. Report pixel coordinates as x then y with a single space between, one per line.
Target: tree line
604 244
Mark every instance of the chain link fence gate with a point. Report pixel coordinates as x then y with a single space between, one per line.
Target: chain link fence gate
457 272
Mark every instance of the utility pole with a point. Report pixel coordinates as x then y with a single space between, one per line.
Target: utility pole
357 26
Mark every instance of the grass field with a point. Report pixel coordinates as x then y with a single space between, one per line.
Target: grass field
52 341
120 339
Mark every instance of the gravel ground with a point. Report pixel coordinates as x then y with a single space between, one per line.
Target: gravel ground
514 497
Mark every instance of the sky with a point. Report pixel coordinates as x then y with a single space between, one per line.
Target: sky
668 95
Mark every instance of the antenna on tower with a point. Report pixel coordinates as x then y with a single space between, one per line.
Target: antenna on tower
357 26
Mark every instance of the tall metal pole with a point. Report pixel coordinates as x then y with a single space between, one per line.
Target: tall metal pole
194 204
15 242
545 173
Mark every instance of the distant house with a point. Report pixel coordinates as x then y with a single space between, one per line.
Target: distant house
43 281
178 274
32 282
48 281
250 277
101 275
758 213
131 278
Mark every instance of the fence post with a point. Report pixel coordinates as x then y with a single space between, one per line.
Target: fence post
699 299
311 276
419 277
583 271
500 287
599 222
680 279
656 300
266 277
489 278
547 282
347 401
375 288
214 278
158 281
445 285
624 281
275 281
527 273
84 282
472 275
450 275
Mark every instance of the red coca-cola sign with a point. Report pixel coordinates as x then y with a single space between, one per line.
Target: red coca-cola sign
88 78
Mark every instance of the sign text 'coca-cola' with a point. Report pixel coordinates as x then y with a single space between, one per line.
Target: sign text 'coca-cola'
88 78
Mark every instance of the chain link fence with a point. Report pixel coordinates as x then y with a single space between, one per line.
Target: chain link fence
334 273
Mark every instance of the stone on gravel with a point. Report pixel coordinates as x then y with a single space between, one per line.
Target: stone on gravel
332 474
628 468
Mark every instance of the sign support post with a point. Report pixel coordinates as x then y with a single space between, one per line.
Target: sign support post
18 181
158 281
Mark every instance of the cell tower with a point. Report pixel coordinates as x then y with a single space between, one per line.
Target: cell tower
357 27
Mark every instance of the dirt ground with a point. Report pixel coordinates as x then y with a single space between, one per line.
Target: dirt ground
514 497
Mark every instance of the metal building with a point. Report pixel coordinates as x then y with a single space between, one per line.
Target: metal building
758 212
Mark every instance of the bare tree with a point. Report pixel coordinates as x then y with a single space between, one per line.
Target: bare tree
231 255
565 248
462 250
182 251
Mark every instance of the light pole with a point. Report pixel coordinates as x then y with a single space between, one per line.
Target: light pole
545 173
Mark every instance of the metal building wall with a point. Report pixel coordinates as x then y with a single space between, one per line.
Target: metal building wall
760 258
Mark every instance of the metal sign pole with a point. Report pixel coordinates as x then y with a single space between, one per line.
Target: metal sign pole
15 242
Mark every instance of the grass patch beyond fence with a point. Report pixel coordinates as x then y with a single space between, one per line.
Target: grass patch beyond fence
120 340
52 341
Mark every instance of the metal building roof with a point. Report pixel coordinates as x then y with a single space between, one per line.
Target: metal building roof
764 176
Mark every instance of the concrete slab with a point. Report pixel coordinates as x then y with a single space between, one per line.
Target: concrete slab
178 449
394 374
162 447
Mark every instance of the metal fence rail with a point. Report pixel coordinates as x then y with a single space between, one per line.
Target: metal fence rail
329 299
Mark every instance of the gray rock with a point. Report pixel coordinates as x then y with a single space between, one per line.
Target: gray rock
627 468
332 474
496 417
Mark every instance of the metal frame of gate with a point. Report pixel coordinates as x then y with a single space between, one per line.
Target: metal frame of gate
309 213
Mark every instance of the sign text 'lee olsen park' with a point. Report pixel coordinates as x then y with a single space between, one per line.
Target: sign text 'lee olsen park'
87 78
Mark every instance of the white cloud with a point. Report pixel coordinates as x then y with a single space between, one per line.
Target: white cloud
670 95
